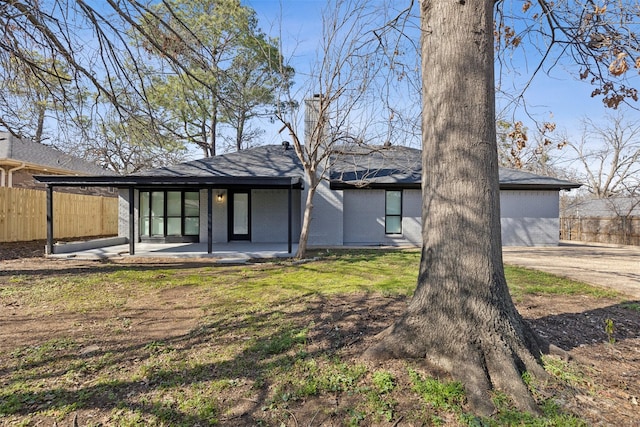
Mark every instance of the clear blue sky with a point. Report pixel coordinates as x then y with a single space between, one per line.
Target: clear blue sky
557 97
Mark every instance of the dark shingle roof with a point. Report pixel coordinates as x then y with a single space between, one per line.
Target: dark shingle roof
402 166
263 161
513 179
381 166
273 165
33 153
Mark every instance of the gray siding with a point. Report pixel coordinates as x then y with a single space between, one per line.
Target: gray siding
218 216
364 218
356 217
123 212
269 216
326 217
529 218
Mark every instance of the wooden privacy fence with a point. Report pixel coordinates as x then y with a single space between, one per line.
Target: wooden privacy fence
23 215
616 230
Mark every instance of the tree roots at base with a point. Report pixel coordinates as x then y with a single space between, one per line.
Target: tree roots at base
487 361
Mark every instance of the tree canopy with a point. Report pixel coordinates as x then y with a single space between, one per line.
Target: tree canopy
179 69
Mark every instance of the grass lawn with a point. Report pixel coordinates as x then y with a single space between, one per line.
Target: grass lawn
273 343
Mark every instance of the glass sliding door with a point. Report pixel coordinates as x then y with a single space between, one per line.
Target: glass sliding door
170 216
157 213
191 213
174 213
145 212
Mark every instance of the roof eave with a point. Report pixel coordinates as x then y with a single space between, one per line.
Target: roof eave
342 185
534 187
174 181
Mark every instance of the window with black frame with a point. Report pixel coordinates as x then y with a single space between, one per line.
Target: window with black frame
393 212
170 215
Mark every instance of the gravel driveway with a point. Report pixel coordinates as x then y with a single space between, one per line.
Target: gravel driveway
615 267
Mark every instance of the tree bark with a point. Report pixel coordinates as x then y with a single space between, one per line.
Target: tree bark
461 318
308 210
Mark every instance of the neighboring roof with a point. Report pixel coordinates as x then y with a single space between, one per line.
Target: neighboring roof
278 166
402 167
15 151
612 206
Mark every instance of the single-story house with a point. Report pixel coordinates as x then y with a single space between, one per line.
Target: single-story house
22 159
258 195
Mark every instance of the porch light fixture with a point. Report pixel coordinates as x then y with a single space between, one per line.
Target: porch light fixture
220 197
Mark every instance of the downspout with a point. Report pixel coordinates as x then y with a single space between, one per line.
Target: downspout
11 171
3 174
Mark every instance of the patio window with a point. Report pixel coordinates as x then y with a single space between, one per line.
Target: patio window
169 215
393 212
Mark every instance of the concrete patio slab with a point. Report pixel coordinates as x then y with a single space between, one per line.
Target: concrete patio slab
232 252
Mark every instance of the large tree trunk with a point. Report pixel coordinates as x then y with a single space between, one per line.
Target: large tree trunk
461 318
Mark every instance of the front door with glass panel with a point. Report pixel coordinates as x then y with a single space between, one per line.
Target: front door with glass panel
170 216
240 215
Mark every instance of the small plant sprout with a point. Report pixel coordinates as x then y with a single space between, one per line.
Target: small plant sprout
609 329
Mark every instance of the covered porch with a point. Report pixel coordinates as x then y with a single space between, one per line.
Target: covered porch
131 218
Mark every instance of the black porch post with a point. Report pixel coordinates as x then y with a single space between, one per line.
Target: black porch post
290 216
132 224
209 220
49 219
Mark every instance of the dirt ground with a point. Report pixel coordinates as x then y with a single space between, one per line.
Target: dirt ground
574 323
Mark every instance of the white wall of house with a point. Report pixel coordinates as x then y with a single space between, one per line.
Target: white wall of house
123 212
219 216
326 217
364 218
270 216
356 217
529 218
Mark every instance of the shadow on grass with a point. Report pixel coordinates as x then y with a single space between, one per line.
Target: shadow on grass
268 342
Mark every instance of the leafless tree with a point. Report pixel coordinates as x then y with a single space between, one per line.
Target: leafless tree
342 96
608 152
